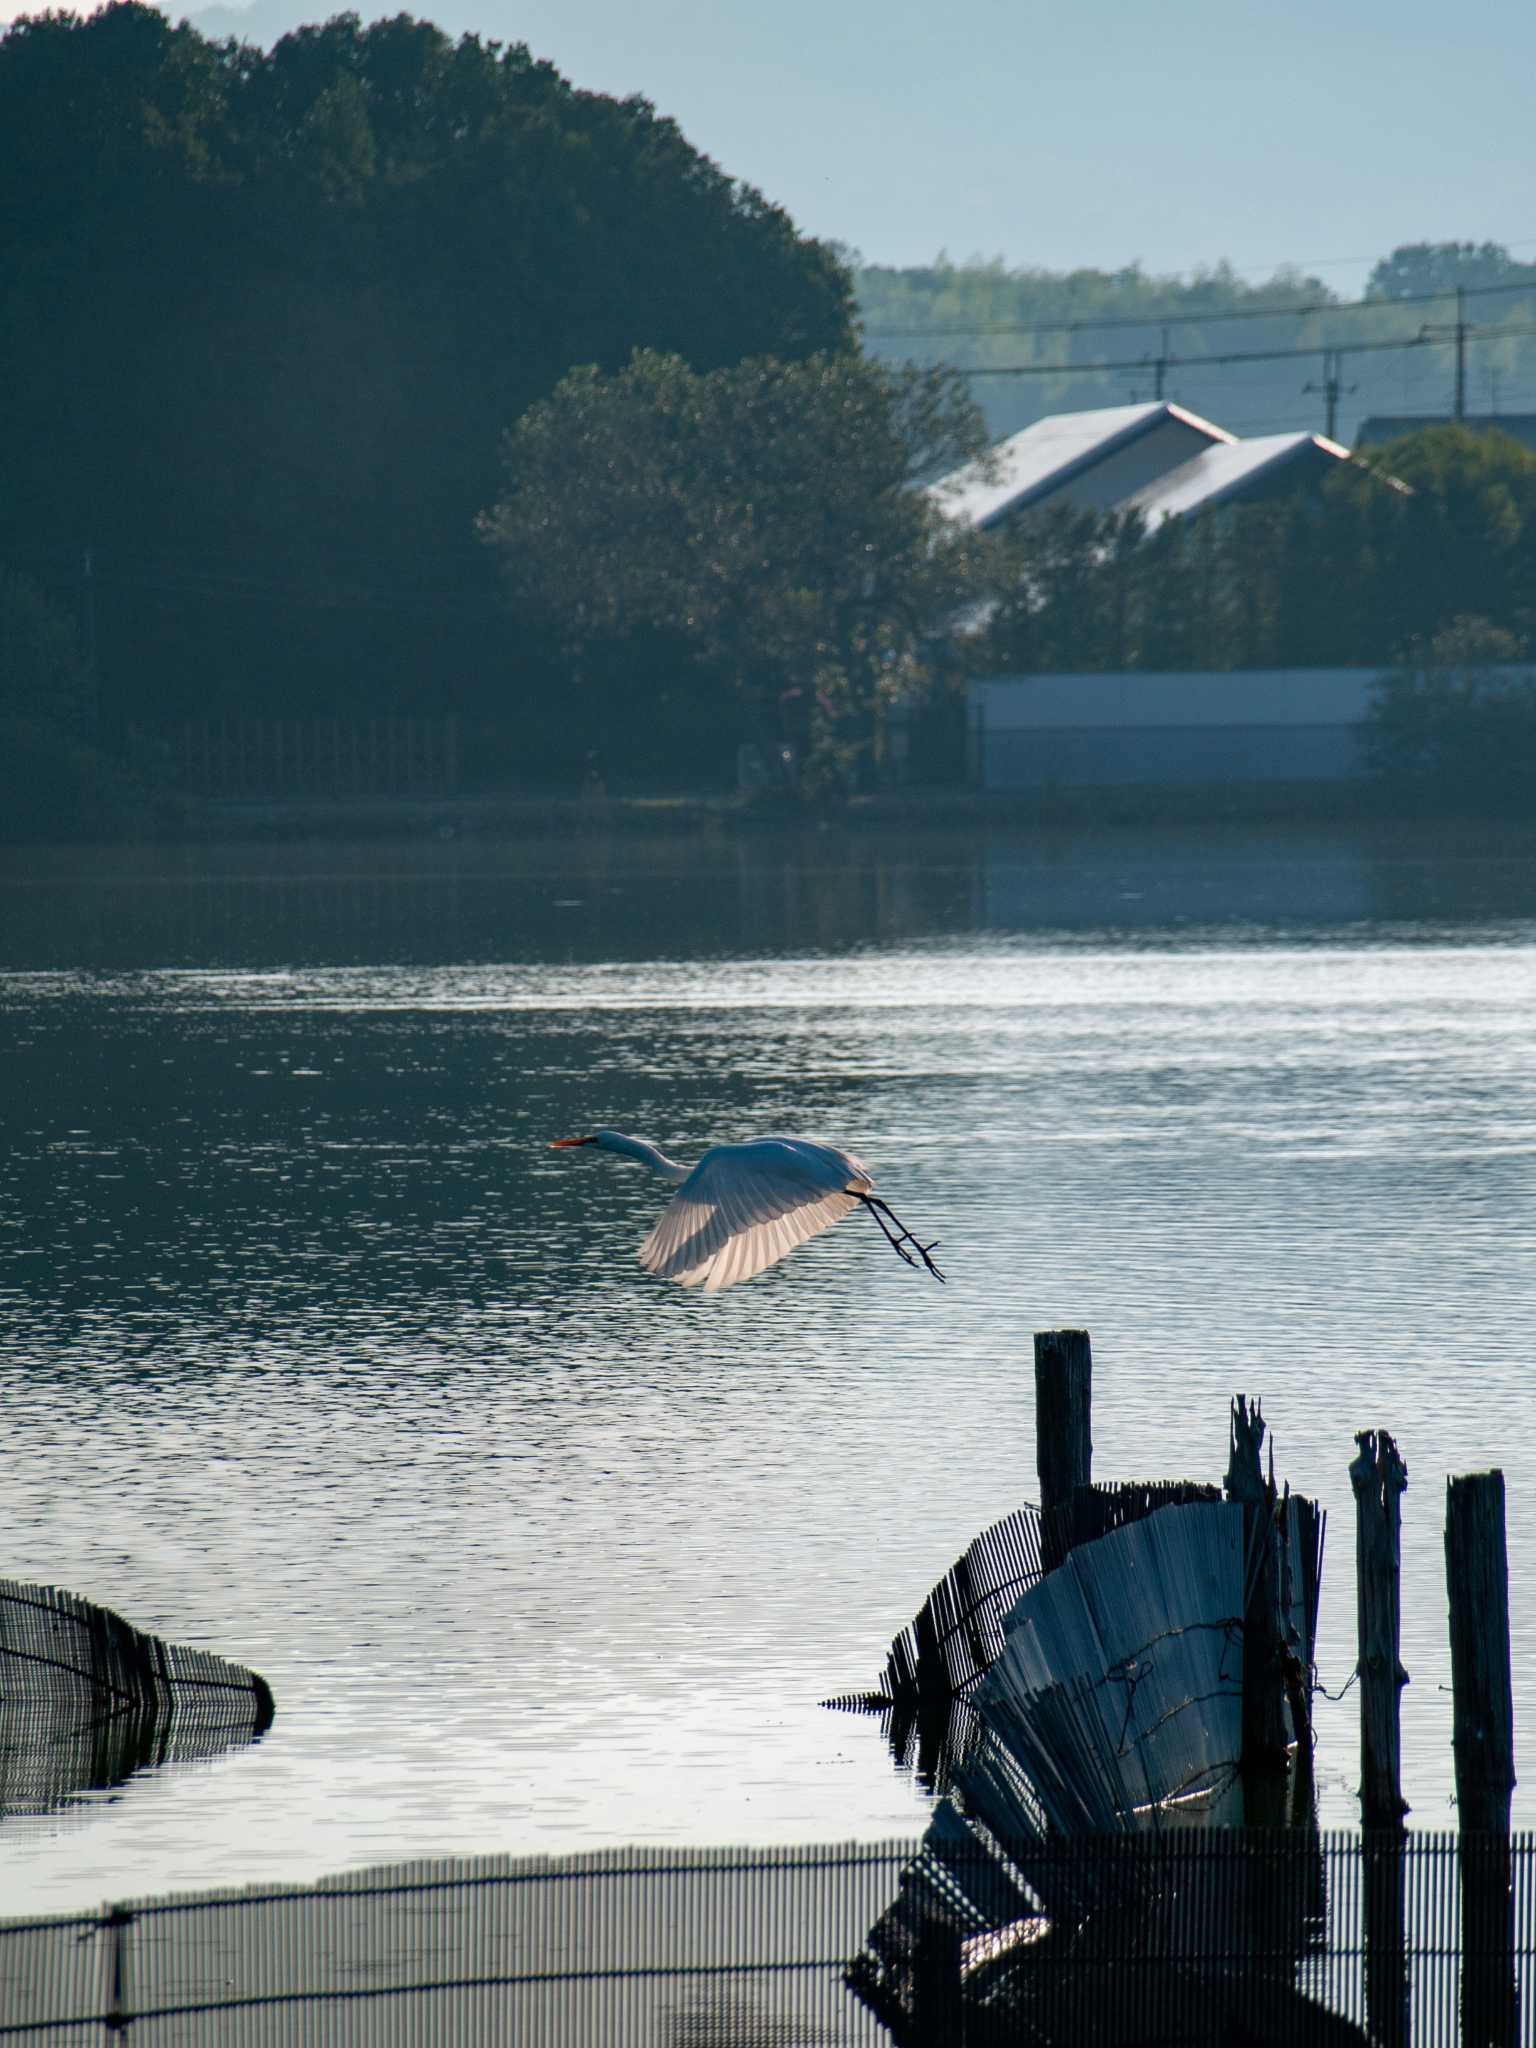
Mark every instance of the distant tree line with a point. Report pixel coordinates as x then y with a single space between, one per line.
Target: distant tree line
991 315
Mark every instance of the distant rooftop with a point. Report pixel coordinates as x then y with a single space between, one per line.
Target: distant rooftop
1048 457
1231 470
1520 426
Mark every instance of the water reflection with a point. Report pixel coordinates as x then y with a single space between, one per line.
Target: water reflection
87 1700
594 896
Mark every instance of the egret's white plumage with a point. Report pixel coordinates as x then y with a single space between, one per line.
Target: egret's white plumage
743 1207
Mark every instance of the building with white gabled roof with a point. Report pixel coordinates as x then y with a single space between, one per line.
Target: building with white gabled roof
1092 461
1160 460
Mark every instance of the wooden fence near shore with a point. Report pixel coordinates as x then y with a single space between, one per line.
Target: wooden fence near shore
253 760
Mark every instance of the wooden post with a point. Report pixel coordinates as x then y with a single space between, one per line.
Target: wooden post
1483 1735
1266 1733
1379 1476
1063 1433
937 1996
1483 1713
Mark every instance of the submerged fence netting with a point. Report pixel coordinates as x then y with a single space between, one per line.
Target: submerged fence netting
1183 1935
86 1699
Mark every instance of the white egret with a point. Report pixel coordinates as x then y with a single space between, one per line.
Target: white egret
743 1207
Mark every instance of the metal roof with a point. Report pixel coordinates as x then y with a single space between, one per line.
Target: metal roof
1042 458
1227 469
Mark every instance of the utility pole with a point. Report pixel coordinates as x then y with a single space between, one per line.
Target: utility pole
1160 367
1332 388
1457 332
1461 352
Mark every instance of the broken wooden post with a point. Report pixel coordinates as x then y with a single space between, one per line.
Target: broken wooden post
1063 1433
1265 1732
1378 1476
1483 1737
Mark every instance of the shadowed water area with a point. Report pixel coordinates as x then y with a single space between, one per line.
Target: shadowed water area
315 1356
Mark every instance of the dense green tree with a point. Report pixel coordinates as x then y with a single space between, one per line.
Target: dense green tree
760 521
1416 268
1460 540
264 316
1455 723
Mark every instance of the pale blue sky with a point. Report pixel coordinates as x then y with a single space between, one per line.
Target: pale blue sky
1318 134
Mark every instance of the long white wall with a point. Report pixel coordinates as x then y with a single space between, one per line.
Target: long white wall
1262 696
1100 731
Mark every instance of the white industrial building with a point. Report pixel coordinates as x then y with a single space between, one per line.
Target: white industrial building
1097 731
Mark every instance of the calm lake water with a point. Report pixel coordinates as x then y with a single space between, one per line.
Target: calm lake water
315 1355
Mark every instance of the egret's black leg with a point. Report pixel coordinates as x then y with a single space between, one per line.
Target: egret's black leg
901 1237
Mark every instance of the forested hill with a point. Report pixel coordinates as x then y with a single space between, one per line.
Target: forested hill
265 316
1057 324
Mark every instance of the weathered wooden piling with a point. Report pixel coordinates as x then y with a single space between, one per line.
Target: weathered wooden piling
1379 1476
1477 1585
1483 1739
1265 1733
1063 1432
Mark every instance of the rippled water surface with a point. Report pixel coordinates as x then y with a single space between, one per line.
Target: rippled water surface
315 1354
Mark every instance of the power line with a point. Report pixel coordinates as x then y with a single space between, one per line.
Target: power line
1301 312
1424 339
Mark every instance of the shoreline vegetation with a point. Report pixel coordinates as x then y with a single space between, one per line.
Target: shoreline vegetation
1085 812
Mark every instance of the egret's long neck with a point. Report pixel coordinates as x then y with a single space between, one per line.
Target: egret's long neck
641 1149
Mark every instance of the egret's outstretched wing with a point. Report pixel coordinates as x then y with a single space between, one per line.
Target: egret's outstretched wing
744 1206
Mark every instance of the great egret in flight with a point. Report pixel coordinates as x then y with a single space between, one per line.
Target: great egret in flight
744 1206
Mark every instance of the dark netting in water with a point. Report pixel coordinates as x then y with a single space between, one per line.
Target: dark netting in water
1180 1936
958 1631
86 1698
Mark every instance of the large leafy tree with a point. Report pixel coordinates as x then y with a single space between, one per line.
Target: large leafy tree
759 524
1455 722
264 316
